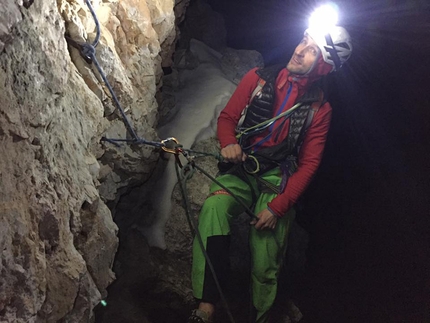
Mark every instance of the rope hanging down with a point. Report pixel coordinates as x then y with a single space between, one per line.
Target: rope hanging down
170 145
88 52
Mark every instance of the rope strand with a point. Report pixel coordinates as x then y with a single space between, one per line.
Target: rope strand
194 227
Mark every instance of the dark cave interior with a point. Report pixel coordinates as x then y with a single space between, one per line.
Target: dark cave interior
367 208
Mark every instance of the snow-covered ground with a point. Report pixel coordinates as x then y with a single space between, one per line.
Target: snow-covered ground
199 103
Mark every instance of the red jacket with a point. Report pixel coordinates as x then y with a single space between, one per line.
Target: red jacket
313 144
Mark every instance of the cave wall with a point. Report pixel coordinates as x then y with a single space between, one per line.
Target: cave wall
57 236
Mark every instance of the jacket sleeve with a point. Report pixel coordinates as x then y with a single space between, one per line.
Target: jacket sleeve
230 115
309 159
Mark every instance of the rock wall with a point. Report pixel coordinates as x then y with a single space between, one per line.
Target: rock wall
57 236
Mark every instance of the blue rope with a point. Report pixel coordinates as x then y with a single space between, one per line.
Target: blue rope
89 51
96 40
271 131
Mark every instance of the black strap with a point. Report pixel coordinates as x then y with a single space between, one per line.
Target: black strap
332 50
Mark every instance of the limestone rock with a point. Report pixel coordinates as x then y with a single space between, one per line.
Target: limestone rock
49 121
57 236
9 16
137 37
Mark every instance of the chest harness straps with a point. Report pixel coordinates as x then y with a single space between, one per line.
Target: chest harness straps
257 117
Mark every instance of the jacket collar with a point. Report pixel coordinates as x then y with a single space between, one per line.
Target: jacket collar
303 82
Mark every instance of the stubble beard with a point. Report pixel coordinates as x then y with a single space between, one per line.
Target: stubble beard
294 70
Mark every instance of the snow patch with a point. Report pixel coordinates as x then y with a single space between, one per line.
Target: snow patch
206 92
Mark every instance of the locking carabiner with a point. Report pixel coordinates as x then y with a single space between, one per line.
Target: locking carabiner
176 150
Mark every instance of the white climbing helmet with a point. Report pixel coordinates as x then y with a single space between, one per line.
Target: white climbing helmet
335 44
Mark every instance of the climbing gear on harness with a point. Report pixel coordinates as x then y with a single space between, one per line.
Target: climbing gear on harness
260 105
246 133
284 154
257 115
251 165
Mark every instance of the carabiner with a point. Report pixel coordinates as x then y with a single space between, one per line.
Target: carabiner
247 163
174 150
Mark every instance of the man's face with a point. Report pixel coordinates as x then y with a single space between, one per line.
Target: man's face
304 57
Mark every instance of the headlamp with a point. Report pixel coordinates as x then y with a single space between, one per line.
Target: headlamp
324 17
333 41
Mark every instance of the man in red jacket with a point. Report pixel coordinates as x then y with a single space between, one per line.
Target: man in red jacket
273 148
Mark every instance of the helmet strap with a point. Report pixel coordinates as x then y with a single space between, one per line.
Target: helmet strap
332 50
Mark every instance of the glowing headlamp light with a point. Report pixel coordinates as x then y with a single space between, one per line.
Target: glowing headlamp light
321 24
324 17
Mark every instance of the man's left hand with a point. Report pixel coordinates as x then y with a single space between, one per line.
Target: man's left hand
266 220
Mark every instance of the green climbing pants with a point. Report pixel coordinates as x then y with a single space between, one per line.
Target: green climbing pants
266 253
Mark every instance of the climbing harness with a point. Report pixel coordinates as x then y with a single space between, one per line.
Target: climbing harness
265 124
257 116
255 119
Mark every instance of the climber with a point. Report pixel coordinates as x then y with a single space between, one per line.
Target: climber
270 156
